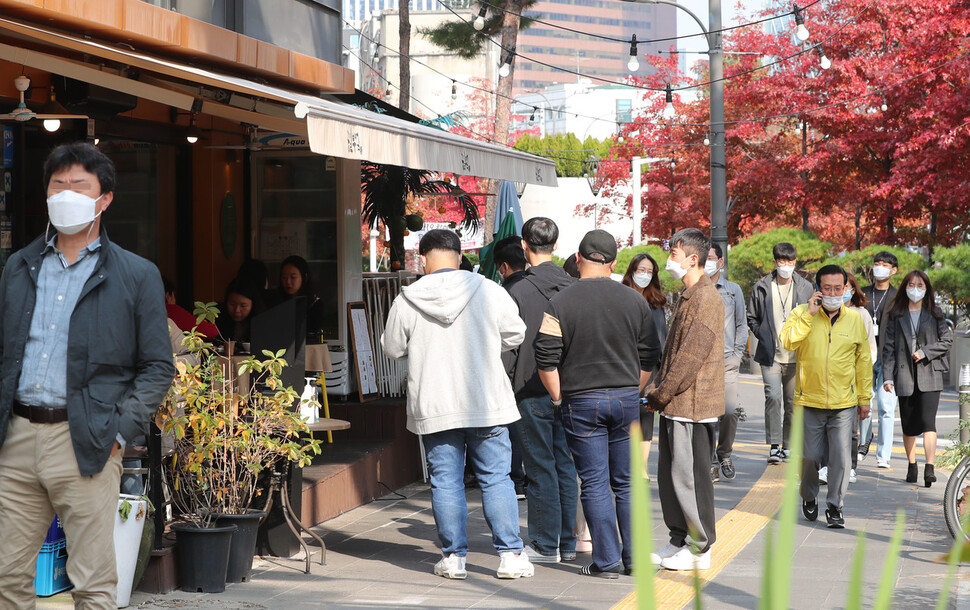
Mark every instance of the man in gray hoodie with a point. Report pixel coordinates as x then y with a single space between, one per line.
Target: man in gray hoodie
452 326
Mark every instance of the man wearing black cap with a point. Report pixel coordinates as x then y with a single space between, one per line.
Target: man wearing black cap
593 350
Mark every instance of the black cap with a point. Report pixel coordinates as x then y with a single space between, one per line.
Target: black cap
598 246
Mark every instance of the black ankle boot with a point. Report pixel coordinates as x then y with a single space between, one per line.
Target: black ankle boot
929 477
912 473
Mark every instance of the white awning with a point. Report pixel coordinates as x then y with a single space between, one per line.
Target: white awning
332 127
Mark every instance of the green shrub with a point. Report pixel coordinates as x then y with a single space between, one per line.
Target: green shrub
751 258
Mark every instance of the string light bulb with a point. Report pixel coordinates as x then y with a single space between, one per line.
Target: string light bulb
884 106
454 91
707 141
824 62
669 111
532 117
479 23
634 64
506 67
801 32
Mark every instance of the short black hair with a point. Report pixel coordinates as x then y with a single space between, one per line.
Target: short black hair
886 257
169 286
254 271
717 250
570 266
830 270
439 239
784 251
541 234
87 156
692 241
509 251
465 264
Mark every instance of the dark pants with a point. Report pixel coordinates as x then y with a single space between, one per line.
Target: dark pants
597 428
684 482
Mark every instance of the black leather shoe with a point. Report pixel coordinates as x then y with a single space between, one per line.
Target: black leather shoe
810 510
929 476
912 473
727 469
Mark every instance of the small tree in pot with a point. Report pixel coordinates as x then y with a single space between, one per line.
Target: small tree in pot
231 420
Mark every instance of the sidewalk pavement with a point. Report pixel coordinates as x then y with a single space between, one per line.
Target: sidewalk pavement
382 554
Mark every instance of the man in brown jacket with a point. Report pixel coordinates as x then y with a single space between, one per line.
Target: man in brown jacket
690 396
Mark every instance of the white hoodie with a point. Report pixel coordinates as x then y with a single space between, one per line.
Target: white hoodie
452 327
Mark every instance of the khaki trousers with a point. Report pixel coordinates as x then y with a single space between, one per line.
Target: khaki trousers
38 478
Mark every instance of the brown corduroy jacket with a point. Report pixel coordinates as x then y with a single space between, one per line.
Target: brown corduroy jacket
691 378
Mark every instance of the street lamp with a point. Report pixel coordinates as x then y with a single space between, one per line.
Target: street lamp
718 162
591 174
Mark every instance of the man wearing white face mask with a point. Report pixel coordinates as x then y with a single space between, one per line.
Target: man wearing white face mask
86 361
834 381
772 300
880 296
735 342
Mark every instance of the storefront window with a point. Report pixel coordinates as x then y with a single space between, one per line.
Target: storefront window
295 212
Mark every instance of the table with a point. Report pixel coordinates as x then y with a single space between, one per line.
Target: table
295 524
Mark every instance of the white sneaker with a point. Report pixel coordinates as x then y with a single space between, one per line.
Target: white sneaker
537 557
852 478
684 559
451 566
823 475
668 551
515 566
882 463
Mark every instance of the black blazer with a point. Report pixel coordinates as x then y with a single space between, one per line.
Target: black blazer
933 337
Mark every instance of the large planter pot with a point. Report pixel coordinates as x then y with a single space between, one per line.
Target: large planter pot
203 556
243 546
127 538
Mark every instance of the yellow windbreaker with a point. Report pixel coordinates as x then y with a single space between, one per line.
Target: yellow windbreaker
834 365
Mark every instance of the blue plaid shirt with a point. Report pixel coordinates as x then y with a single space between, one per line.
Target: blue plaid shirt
43 380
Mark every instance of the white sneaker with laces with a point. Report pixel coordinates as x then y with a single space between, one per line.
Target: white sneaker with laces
515 566
882 463
823 475
684 559
451 566
852 478
668 551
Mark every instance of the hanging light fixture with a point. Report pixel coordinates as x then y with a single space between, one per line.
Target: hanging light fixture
479 23
52 125
824 62
193 134
454 91
884 106
669 111
801 32
532 117
634 64
506 67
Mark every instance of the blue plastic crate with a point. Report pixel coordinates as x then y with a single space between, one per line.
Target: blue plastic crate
51 575
56 532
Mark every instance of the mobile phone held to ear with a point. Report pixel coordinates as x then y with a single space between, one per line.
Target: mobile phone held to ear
818 289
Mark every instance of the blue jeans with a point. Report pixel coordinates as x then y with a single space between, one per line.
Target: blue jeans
552 490
491 457
883 406
597 428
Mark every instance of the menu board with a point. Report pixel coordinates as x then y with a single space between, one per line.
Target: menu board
363 351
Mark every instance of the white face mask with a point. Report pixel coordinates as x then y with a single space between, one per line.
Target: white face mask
675 269
847 296
642 280
881 273
710 268
786 271
831 303
71 212
915 294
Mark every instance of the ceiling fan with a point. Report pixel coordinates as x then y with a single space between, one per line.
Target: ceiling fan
23 113
250 142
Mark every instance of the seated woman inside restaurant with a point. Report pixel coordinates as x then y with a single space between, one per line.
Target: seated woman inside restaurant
295 282
242 303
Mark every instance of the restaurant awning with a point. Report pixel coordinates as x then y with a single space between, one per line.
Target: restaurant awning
332 127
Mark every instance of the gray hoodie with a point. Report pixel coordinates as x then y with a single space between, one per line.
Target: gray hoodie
452 327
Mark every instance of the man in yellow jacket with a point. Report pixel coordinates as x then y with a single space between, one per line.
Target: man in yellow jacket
834 377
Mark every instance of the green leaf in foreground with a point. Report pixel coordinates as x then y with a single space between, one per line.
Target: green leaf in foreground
854 602
884 598
641 523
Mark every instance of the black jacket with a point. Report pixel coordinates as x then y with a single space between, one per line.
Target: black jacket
119 355
881 317
761 321
531 291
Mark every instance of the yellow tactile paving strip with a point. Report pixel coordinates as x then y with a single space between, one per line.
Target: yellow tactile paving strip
734 531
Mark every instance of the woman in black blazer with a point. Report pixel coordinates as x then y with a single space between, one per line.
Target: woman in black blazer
914 360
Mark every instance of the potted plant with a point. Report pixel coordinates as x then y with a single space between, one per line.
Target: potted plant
231 418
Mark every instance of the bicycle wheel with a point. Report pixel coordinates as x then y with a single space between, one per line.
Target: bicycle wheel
956 498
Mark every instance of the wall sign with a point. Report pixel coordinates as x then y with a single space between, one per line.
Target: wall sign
359 328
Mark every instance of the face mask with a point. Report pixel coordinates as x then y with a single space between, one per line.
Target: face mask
847 296
915 294
675 269
642 280
831 303
71 212
881 273
710 268
785 271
